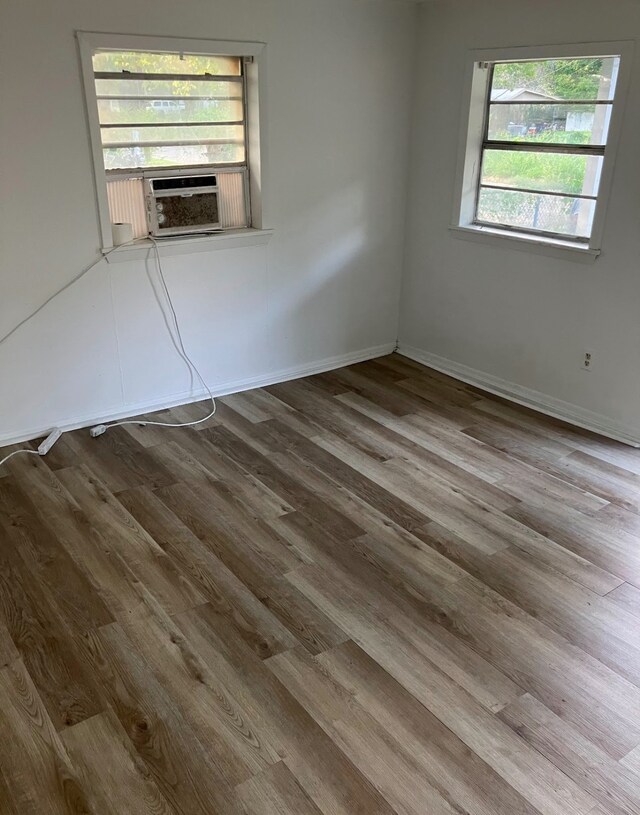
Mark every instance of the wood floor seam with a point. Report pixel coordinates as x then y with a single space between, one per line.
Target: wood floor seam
372 591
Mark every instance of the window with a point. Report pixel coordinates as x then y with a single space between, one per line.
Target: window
171 123
538 145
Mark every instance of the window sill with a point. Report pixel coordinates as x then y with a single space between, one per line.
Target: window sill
521 241
190 244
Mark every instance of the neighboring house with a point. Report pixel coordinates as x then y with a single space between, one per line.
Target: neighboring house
519 119
519 95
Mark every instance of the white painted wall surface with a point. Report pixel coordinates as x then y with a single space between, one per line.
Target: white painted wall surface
325 288
507 315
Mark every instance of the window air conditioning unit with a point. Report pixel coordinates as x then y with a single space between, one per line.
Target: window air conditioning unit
183 204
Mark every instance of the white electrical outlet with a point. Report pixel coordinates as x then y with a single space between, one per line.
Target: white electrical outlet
587 361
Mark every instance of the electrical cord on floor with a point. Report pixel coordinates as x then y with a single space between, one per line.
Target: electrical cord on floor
98 430
15 453
46 447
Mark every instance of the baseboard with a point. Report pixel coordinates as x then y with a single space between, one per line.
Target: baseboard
541 402
235 386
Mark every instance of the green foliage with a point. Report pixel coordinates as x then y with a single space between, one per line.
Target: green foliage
551 137
561 78
146 62
557 172
206 101
130 113
569 79
578 79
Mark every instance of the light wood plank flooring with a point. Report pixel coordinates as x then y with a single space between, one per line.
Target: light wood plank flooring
372 591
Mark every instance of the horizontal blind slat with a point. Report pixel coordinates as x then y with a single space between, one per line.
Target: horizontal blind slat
232 200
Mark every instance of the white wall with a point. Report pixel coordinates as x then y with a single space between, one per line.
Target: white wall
327 285
513 315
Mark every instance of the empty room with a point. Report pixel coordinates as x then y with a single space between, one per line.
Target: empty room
320 407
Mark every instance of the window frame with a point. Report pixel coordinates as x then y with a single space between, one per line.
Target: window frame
253 54
473 137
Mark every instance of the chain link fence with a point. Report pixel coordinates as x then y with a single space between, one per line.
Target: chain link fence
548 213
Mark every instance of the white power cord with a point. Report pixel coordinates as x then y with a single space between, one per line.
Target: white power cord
99 429
53 437
64 288
43 448
16 452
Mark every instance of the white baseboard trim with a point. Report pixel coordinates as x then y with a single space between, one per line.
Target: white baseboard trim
272 378
566 411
